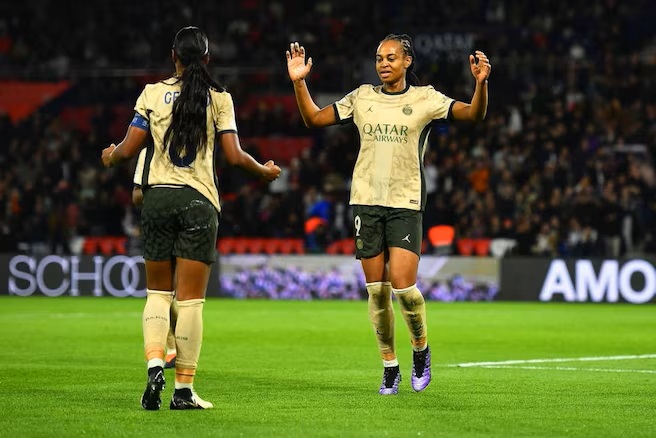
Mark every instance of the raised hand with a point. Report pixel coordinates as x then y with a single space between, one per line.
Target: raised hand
481 70
296 66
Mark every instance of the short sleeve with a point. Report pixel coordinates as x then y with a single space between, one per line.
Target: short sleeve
439 104
224 112
141 106
345 107
138 170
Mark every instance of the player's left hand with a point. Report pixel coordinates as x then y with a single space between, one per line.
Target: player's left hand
106 155
481 69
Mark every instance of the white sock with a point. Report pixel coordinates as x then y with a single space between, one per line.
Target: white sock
157 362
391 363
179 385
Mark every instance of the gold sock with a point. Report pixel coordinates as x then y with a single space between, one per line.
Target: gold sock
189 338
156 322
413 308
381 315
170 340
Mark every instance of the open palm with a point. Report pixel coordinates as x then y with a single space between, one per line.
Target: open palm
296 66
481 70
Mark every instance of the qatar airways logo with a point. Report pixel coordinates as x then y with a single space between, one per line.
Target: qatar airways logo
634 281
387 132
119 276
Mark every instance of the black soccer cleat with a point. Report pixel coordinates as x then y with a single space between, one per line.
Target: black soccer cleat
150 400
187 399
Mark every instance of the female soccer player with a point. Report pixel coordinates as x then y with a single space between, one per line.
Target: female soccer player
182 116
388 187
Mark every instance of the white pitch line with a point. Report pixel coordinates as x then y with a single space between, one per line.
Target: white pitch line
558 359
602 370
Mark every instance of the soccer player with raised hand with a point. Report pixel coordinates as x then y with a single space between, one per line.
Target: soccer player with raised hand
388 190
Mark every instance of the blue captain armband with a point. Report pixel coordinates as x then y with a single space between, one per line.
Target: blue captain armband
139 121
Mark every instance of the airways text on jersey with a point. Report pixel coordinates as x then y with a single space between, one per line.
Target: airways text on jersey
386 132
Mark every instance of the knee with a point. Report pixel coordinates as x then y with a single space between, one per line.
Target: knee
403 280
380 293
378 287
163 295
403 284
196 302
189 296
409 298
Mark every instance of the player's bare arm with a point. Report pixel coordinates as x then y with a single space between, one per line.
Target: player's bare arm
127 149
298 69
236 156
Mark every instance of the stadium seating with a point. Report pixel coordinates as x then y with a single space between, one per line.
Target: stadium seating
106 245
256 245
113 245
441 238
343 246
292 246
465 247
482 247
479 186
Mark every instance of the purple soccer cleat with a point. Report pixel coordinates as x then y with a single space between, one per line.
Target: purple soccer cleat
421 369
391 380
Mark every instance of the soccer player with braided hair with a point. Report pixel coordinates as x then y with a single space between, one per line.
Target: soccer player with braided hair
179 119
388 190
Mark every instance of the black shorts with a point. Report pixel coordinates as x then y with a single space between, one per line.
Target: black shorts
377 228
178 223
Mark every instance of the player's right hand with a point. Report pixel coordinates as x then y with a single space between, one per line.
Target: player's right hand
107 155
296 66
272 171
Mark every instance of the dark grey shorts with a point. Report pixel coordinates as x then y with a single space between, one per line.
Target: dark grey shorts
377 228
178 223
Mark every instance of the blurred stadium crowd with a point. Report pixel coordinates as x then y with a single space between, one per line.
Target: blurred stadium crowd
563 163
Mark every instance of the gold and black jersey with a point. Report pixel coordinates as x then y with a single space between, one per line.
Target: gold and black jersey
394 129
139 168
162 166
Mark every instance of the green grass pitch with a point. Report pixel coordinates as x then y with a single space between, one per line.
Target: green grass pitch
74 367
